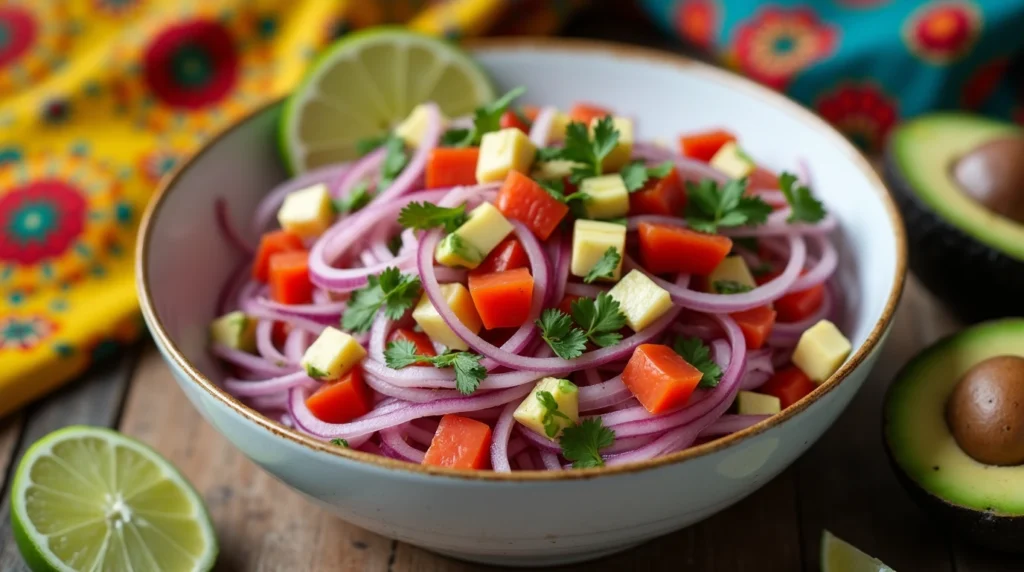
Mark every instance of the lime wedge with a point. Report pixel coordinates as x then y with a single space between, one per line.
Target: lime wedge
837 555
87 498
366 83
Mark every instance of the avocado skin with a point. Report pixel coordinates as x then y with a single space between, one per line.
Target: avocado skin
976 281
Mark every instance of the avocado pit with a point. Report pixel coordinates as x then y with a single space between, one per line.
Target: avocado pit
985 411
993 175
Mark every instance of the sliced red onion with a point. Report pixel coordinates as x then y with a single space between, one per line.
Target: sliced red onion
392 437
409 394
760 360
267 209
728 424
754 379
418 434
604 394
516 446
295 345
324 313
524 462
241 388
414 170
542 126
689 169
539 441
364 168
785 332
550 461
227 298
265 344
823 269
499 438
247 361
585 290
256 310
560 271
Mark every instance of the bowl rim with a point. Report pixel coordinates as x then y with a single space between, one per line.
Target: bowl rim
609 49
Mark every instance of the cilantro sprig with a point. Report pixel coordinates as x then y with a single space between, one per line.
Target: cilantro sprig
368 144
551 413
425 216
605 266
636 173
708 206
340 442
391 290
582 443
566 340
486 119
586 150
698 354
730 287
597 320
395 159
805 208
358 198
315 372
468 371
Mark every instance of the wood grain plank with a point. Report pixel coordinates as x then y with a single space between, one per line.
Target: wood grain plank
95 399
261 524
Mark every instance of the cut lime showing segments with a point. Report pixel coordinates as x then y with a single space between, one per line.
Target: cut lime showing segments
366 83
837 555
88 498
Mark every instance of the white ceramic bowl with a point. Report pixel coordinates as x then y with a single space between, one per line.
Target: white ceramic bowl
532 518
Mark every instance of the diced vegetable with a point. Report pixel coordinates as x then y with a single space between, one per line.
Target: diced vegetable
640 299
289 278
307 212
552 406
502 152
664 196
590 240
659 378
756 324
235 330
566 304
272 243
485 228
762 178
511 119
556 170
333 354
412 127
623 150
461 303
703 146
502 299
665 248
508 255
732 161
524 200
455 252
586 113
734 270
799 305
789 385
418 339
558 124
343 400
607 197
450 166
751 403
460 443
821 350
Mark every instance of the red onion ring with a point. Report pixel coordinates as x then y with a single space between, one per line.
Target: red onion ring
499 439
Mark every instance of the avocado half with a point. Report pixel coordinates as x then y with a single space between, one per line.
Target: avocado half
969 256
985 503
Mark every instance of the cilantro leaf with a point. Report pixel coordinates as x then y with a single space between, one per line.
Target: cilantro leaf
709 206
315 373
730 287
551 413
401 353
575 201
358 198
340 442
392 290
582 443
486 119
395 160
457 138
601 319
364 146
805 207
697 354
545 154
605 266
557 330
468 371
636 173
588 151
425 216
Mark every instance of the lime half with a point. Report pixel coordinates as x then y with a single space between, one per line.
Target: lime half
366 83
837 555
87 498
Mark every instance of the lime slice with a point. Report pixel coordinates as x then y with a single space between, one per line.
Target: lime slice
837 555
87 498
366 83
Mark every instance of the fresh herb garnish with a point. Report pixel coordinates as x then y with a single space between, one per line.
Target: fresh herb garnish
315 373
582 443
395 160
598 320
581 148
605 266
425 216
455 138
698 354
636 173
340 442
468 371
486 119
551 413
557 330
576 201
392 290
364 146
358 198
709 207
730 287
805 208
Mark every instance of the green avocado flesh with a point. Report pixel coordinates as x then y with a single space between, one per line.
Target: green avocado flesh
923 152
919 439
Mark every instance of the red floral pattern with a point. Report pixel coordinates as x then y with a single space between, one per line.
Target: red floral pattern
697 22
17 33
862 111
191 64
40 221
943 32
778 43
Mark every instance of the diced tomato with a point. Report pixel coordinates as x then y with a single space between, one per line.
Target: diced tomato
449 166
666 248
587 112
660 378
460 443
508 255
502 299
511 119
343 400
530 111
522 199
796 306
418 339
789 385
762 179
566 304
273 243
664 196
703 146
755 324
289 278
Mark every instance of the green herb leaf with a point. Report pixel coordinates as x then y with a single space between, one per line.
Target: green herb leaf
605 266
600 318
395 160
805 207
545 154
340 442
486 119
697 354
392 290
358 198
636 173
402 353
551 413
315 373
582 148
364 146
730 287
557 330
709 206
457 138
468 371
425 216
582 443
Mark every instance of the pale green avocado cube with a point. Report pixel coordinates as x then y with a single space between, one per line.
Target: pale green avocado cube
590 240
640 299
453 252
821 350
483 230
532 411
732 161
504 151
607 196
332 355
750 403
307 212
731 269
235 330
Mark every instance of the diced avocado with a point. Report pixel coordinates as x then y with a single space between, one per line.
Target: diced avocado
732 161
332 355
750 403
307 212
553 170
411 129
607 196
732 269
623 151
559 123
821 350
454 251
532 411
235 330
590 240
485 228
640 299
459 300
503 151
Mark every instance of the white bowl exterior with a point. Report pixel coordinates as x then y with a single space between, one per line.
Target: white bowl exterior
529 522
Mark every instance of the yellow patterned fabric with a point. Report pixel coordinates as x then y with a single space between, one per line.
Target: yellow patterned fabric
100 98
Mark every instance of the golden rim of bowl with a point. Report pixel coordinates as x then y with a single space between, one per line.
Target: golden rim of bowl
609 49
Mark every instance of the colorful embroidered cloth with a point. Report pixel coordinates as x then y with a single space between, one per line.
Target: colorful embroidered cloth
100 98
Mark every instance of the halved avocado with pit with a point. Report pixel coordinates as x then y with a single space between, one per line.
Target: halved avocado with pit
982 501
959 182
